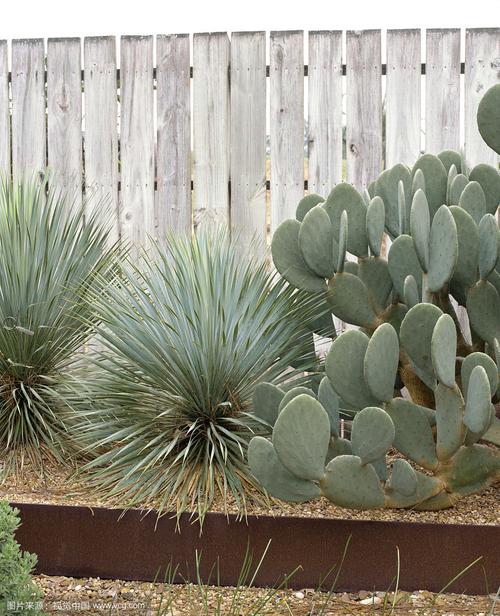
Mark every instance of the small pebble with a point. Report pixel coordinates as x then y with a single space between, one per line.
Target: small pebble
299 595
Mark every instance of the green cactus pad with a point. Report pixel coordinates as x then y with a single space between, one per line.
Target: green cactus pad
477 415
266 401
345 368
387 187
289 261
316 242
351 267
413 436
443 253
450 158
381 362
488 245
492 435
479 359
473 469
380 467
394 315
416 335
350 484
436 178
342 241
374 272
338 447
375 224
468 248
457 186
488 118
483 306
306 204
372 434
449 421
274 477
489 178
452 174
427 487
331 403
293 393
473 201
345 197
301 436
444 350
403 478
411 295
420 226
402 262
350 301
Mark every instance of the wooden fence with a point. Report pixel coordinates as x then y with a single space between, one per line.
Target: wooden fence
177 134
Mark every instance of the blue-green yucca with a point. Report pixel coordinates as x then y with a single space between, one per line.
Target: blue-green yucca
50 259
188 334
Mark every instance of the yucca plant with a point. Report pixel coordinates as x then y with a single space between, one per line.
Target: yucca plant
51 259
188 334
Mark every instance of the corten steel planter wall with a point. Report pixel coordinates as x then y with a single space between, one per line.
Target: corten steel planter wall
80 542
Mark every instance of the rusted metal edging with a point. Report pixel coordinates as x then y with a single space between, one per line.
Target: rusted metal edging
84 542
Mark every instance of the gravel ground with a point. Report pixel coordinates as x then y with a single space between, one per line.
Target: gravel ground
58 488
94 596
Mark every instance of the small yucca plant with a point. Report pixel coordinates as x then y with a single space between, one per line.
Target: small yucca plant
187 335
50 260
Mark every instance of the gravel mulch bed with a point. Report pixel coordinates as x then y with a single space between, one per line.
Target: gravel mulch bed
95 596
58 488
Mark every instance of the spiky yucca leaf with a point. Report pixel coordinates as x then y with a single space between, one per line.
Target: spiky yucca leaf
188 335
49 257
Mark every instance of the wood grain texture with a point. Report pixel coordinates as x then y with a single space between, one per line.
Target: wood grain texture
101 129
403 102
324 111
442 90
482 70
248 137
28 108
64 116
287 124
173 134
4 110
137 207
211 53
364 107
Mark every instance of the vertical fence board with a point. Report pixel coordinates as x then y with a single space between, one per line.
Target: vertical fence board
64 115
101 137
28 107
173 133
287 124
4 110
403 108
137 208
248 136
324 111
211 128
364 107
482 70
442 90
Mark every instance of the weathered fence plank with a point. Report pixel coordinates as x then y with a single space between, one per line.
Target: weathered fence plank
137 219
248 136
403 108
211 128
4 110
482 70
28 107
173 133
287 124
101 137
324 111
364 107
64 116
442 90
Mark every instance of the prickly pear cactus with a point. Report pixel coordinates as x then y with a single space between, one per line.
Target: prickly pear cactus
414 377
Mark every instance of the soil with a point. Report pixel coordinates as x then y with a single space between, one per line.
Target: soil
95 596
